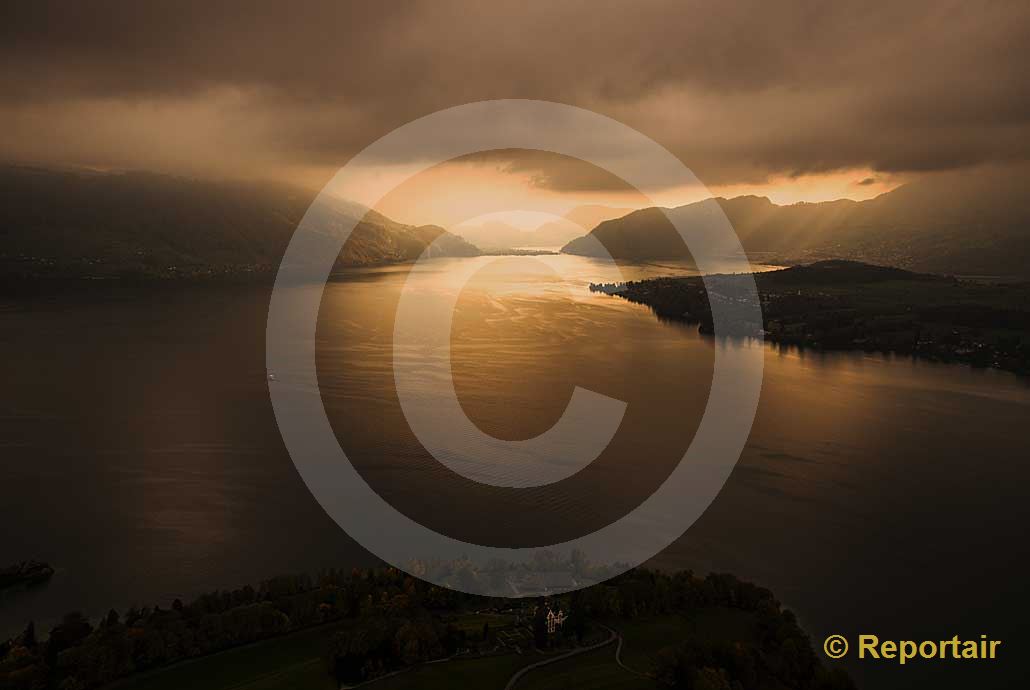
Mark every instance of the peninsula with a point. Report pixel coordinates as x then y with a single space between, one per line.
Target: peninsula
849 305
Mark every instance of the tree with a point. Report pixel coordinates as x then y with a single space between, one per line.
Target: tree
540 627
711 679
72 630
28 638
358 650
417 641
112 618
576 623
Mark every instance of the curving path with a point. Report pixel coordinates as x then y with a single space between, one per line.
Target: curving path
561 657
618 657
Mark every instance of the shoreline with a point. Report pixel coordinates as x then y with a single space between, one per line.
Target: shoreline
840 306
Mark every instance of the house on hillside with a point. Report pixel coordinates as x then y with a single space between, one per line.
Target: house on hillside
555 621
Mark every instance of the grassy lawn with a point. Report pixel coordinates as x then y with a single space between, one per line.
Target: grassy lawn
596 670
502 628
298 662
294 662
480 674
473 623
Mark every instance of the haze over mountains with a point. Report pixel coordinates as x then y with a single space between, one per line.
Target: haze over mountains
965 224
82 224
496 234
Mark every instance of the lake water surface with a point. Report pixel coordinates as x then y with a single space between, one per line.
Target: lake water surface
141 458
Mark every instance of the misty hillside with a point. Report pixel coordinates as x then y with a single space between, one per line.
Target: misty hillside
81 224
962 224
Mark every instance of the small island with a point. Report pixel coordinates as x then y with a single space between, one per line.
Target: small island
849 305
25 573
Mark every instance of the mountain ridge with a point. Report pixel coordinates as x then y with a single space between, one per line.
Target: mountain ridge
963 224
85 224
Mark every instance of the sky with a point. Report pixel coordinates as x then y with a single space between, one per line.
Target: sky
796 100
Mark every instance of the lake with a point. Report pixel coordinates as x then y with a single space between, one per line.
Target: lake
141 457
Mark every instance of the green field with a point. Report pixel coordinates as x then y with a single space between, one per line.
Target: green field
594 670
294 662
482 673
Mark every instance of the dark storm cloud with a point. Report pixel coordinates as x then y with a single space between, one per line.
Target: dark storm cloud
738 90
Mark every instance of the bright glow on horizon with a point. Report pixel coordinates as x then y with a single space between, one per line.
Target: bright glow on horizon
522 220
453 194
